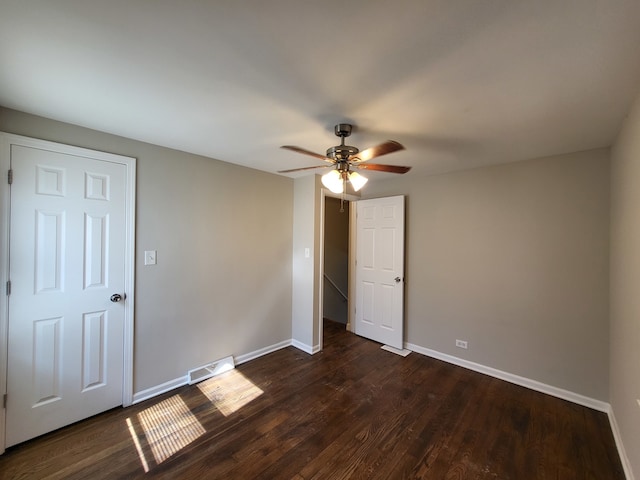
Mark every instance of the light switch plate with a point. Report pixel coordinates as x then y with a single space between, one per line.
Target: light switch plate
150 257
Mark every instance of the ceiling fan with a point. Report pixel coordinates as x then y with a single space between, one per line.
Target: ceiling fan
346 159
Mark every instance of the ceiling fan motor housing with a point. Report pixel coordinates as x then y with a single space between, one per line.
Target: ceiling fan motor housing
343 130
341 152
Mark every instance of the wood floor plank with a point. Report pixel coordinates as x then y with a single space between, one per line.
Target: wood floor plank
352 411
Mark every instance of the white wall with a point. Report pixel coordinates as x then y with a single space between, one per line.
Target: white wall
223 233
625 282
513 259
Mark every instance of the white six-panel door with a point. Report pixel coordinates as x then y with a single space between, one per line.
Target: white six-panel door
380 270
67 258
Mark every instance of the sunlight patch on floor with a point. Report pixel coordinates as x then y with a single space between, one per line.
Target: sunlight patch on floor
136 442
229 392
169 427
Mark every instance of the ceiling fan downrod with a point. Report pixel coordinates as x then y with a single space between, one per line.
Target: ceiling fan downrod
342 152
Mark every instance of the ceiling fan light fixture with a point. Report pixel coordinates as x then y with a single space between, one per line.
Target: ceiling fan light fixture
345 158
333 181
357 181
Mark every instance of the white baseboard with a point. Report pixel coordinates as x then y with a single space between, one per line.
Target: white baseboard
511 378
179 382
626 465
539 387
240 359
160 389
305 348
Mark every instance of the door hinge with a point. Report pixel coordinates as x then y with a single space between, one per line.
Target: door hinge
4 401
8 287
10 176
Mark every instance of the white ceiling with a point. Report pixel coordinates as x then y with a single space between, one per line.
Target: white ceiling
461 83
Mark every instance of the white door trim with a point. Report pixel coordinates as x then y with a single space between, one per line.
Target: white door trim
320 278
6 141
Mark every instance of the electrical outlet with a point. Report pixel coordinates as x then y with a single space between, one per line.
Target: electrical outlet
461 344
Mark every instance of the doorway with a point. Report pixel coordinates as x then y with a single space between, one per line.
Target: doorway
337 243
335 281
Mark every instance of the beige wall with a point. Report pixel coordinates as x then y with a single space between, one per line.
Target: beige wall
302 310
625 282
223 234
513 259
305 307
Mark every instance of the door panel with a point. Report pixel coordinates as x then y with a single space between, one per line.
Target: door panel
67 256
379 262
94 347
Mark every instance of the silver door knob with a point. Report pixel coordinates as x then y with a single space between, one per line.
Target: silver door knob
116 297
397 279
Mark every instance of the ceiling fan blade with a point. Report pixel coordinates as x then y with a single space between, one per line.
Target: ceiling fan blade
383 168
303 168
387 147
306 152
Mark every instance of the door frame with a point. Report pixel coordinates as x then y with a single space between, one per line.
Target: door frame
352 199
6 141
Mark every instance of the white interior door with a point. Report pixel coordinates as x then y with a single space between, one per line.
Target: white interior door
380 270
67 258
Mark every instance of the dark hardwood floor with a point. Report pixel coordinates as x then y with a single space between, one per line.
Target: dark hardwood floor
351 411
